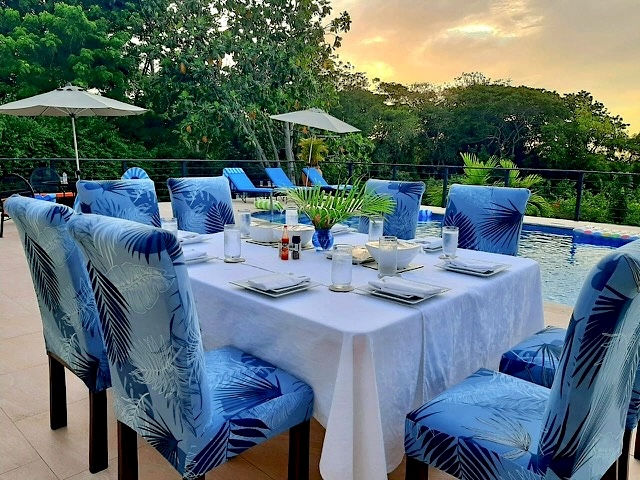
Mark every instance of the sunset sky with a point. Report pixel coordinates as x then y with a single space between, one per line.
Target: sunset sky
561 45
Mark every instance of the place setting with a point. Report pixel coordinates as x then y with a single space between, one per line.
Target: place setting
454 263
402 290
193 256
276 284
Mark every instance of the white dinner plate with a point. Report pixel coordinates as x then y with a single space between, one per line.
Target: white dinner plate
408 298
203 259
498 267
279 292
193 238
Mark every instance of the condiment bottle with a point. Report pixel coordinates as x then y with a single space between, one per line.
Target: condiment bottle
295 251
284 249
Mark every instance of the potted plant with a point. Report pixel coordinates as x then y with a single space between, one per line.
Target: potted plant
325 209
312 152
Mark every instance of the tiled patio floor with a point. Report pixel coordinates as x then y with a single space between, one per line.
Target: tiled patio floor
30 450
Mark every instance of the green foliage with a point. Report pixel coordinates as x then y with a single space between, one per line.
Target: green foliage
312 151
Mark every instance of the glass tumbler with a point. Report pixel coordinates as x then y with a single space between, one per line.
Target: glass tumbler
387 255
291 216
449 241
232 244
341 268
245 222
376 227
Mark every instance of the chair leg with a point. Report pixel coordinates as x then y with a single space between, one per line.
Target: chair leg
299 451
57 395
416 470
612 473
98 446
127 453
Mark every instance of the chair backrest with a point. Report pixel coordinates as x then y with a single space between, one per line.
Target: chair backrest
151 330
489 218
45 179
403 222
238 178
11 184
201 204
315 177
278 177
585 415
70 320
129 199
134 173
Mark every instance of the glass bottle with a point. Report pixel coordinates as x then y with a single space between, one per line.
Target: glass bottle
295 250
284 248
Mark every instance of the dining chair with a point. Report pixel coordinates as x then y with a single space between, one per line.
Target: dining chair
403 222
134 173
197 408
488 218
72 331
201 204
496 426
128 199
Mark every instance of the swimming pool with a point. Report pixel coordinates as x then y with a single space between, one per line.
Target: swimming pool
564 262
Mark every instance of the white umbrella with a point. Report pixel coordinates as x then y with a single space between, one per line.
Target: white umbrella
69 101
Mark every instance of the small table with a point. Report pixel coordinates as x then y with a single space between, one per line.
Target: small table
65 192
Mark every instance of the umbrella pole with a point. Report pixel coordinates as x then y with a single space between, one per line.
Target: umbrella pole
75 145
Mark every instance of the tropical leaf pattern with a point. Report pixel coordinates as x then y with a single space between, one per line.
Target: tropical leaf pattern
201 205
497 426
488 218
197 408
68 310
130 199
403 222
134 173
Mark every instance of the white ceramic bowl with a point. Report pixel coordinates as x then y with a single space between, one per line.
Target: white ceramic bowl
406 251
263 232
305 232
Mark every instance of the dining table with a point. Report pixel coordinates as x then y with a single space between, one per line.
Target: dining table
369 360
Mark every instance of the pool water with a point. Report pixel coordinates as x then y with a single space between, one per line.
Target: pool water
564 263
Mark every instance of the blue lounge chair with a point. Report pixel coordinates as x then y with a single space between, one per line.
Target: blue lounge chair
315 177
279 178
241 184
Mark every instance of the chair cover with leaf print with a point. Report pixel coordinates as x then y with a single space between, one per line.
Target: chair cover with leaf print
127 199
196 408
488 218
494 425
201 205
70 321
403 222
135 173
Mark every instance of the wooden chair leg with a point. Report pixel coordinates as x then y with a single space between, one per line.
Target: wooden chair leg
416 470
127 453
98 445
57 395
299 451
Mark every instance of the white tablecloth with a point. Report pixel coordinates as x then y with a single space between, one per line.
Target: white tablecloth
368 360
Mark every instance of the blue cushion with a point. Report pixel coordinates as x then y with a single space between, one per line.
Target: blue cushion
241 183
134 173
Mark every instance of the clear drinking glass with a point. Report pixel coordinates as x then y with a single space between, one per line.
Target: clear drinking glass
341 260
170 224
291 216
449 241
387 255
245 222
376 227
232 243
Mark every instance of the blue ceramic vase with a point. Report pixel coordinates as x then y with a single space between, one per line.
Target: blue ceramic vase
322 239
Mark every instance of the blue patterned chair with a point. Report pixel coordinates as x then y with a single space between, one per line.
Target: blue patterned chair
135 173
197 408
496 426
403 222
128 199
201 204
488 218
71 328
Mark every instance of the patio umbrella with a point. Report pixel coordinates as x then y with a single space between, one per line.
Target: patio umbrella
69 101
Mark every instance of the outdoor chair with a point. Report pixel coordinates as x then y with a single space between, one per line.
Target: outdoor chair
496 426
279 178
135 173
201 204
316 179
241 184
71 328
197 408
12 184
45 180
128 199
403 222
488 218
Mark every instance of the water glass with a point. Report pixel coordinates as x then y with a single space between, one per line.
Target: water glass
341 260
387 255
232 243
245 222
449 241
170 224
376 227
291 216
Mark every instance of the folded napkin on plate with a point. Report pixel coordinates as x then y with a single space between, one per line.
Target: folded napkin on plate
188 237
474 265
339 228
429 243
275 281
402 286
193 254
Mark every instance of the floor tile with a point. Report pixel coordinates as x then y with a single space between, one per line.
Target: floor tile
16 319
19 353
35 470
15 450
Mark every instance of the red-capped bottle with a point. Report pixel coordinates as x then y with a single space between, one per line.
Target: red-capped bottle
284 244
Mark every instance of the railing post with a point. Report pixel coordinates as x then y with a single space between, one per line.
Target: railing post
183 168
350 169
445 186
124 166
507 177
579 186
394 172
